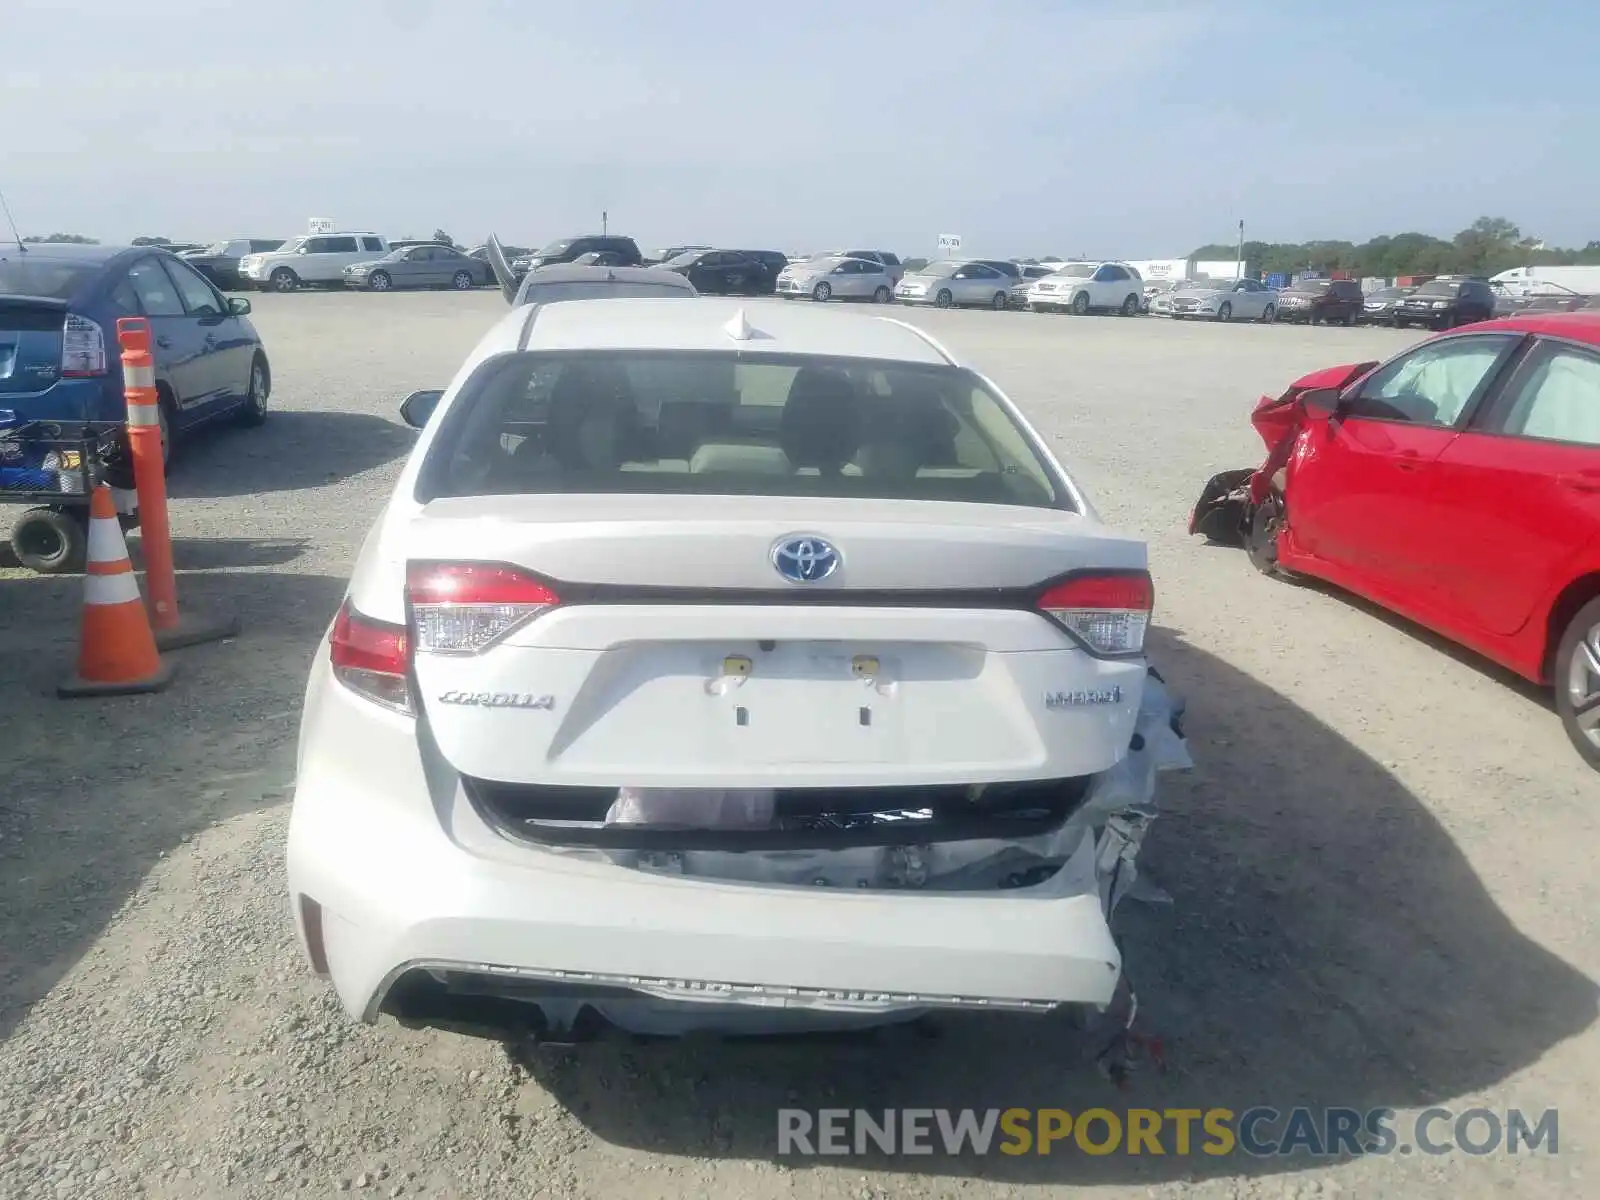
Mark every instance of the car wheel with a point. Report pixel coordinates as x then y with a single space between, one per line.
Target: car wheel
254 411
1080 304
1350 320
1224 311
1577 680
882 296
1268 315
1262 542
944 299
379 281
822 292
49 541
1130 306
462 281
164 422
999 303
284 280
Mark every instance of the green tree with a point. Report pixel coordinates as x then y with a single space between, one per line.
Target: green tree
76 239
1487 246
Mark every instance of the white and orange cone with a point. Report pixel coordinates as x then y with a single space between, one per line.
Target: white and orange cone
117 651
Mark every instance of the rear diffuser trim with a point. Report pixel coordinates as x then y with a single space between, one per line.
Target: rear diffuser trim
699 991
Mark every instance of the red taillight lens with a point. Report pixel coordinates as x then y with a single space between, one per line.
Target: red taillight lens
83 348
1108 610
463 608
370 658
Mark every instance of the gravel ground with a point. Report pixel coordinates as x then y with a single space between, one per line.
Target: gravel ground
1381 867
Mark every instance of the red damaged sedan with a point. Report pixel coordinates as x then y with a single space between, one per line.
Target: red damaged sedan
1457 484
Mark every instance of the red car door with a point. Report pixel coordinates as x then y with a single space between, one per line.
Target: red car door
1357 488
1521 492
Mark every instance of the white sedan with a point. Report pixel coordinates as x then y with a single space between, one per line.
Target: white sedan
724 668
1218 300
836 277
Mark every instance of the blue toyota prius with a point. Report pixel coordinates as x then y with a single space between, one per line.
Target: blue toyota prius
59 359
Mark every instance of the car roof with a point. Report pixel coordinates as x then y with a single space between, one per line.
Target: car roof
670 324
1578 326
74 252
577 273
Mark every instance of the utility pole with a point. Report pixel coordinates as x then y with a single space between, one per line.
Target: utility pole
1238 269
605 219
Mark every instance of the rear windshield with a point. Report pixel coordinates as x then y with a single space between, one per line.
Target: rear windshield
555 248
31 275
672 423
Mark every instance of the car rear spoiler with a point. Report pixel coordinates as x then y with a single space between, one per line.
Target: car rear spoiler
502 269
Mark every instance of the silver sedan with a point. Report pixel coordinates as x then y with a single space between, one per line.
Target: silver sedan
954 283
419 266
1218 300
836 278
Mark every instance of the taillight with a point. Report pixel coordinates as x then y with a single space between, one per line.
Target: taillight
83 348
1108 610
462 608
371 659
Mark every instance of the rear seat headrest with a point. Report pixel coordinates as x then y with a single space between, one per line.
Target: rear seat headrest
821 423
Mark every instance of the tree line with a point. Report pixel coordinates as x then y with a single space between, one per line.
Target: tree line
1486 247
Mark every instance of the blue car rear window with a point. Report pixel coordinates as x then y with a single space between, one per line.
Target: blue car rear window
26 275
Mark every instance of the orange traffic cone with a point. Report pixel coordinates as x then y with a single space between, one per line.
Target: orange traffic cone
117 652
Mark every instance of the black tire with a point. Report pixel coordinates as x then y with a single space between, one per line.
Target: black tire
1269 314
822 293
999 302
1080 304
169 438
284 280
1350 320
254 410
1577 682
462 281
49 541
1224 311
1261 543
882 296
944 299
379 281
1130 306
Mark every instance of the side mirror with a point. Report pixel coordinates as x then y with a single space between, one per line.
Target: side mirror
302 250
1321 400
416 408
238 306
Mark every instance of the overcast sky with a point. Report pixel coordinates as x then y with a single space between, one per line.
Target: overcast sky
1027 126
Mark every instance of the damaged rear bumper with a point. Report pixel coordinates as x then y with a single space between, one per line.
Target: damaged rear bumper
440 919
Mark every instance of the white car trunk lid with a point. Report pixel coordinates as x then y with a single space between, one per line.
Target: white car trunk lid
669 650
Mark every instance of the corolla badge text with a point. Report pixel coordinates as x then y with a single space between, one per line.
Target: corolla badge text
1084 697
499 700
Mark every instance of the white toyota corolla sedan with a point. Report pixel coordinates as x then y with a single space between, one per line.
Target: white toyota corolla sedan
730 666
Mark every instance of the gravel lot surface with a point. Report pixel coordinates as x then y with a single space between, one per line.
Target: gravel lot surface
1382 867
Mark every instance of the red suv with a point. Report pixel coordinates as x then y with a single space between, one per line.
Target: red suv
1325 301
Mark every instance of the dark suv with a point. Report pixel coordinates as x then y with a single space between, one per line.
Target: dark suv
571 249
1445 302
1323 301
